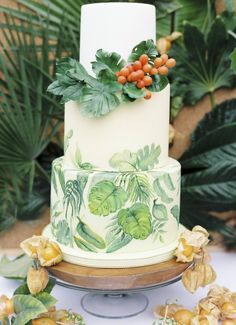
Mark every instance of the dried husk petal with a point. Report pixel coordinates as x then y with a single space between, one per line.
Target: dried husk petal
6 306
191 279
37 280
207 273
228 310
207 307
184 253
160 310
198 237
49 254
31 245
219 295
198 319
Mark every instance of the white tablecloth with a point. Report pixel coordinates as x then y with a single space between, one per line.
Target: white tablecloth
223 263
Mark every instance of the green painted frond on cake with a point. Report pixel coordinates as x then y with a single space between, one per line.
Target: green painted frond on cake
124 161
136 221
73 197
106 198
118 242
90 235
107 64
100 100
168 182
62 232
84 245
79 163
175 212
148 47
148 157
160 191
160 218
68 136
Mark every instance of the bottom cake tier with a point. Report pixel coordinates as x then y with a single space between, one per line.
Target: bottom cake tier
115 219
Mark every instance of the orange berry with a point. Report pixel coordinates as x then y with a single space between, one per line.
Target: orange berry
134 76
144 59
129 78
130 68
164 58
147 80
124 72
121 80
163 70
137 65
148 94
170 63
147 68
154 71
118 74
140 84
140 74
157 62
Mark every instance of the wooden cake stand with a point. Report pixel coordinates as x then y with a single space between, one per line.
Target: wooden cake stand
112 289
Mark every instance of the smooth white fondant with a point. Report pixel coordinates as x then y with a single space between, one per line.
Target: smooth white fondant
101 260
129 127
114 27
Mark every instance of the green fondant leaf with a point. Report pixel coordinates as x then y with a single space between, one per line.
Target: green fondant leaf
105 198
107 64
148 47
101 99
175 212
46 299
132 91
15 269
158 83
27 308
136 221
124 161
90 236
148 157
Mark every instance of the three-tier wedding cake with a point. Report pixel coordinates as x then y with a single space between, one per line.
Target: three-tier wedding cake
115 193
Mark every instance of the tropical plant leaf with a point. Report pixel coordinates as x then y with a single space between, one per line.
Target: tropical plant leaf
78 161
158 83
106 198
148 47
100 99
124 161
74 196
223 114
136 221
46 299
62 232
148 157
107 64
138 187
160 191
119 242
132 91
15 269
27 308
207 151
211 189
233 60
90 236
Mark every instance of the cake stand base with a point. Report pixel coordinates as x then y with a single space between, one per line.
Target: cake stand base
112 305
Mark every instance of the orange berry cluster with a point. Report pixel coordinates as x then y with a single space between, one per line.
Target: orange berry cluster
141 71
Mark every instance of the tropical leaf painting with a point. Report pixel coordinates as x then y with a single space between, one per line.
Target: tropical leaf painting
160 217
139 188
90 236
124 161
79 163
74 196
118 242
175 212
148 157
61 232
68 136
136 221
105 198
59 173
160 191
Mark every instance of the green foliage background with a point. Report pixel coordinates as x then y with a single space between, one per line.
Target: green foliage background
38 32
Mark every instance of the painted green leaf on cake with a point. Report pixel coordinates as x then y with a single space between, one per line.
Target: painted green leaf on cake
119 242
132 91
78 161
124 161
107 64
160 192
158 83
90 236
68 136
85 246
168 182
148 157
138 187
59 173
106 198
74 196
159 211
54 181
62 232
175 212
27 308
136 221
148 47
100 99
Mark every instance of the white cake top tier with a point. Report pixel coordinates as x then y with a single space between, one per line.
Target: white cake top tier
114 27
